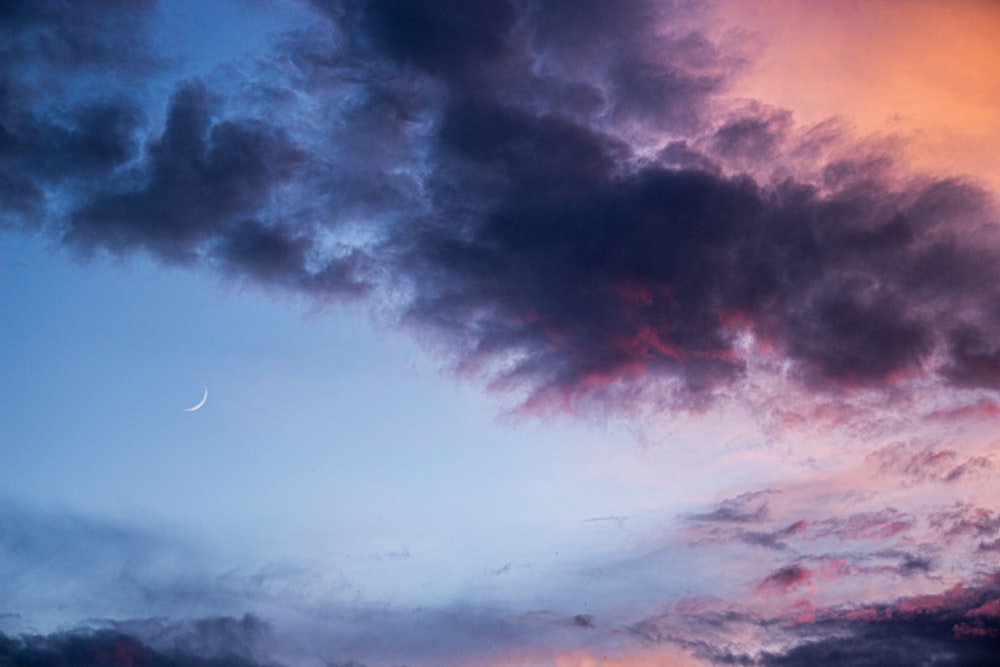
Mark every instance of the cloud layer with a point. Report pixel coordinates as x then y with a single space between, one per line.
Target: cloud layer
210 642
564 199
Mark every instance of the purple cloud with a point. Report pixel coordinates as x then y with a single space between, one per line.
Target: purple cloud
533 239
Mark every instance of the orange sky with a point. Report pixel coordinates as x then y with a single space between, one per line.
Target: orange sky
927 71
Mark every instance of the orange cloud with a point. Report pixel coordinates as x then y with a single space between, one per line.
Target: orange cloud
924 71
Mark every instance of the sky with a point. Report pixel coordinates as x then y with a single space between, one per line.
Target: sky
550 333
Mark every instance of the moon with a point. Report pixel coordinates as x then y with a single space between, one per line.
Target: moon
200 403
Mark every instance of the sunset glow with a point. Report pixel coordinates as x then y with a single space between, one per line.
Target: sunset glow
539 333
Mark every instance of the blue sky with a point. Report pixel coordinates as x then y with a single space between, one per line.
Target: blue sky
326 438
533 333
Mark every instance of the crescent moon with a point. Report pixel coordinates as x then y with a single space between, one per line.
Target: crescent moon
200 403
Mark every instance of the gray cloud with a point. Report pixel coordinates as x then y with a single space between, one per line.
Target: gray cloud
749 507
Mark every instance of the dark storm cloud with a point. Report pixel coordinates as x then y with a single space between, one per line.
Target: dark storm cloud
89 140
449 38
48 140
429 637
215 642
959 627
75 35
754 135
202 178
896 644
205 181
487 154
581 280
659 78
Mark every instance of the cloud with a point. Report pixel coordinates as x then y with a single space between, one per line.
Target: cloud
879 525
891 644
202 177
77 36
749 507
85 142
957 627
313 624
786 579
503 569
982 409
64 567
927 464
450 39
51 143
618 521
561 200
755 135
167 603
210 642
993 545
486 170
966 519
722 524
771 539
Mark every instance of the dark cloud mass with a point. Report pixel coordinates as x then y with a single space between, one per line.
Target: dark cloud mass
959 627
211 642
447 37
497 159
76 36
201 179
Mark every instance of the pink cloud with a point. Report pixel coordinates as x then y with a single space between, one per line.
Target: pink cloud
867 615
786 579
990 609
880 525
956 597
965 519
926 464
967 631
984 410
